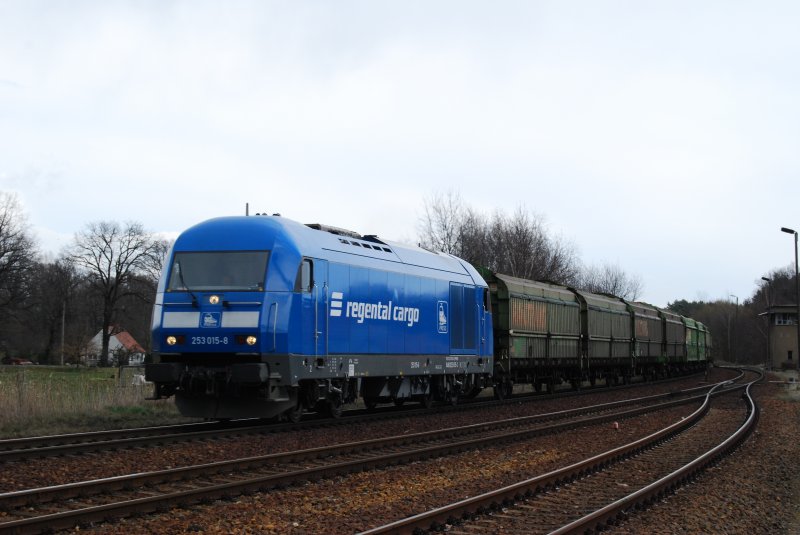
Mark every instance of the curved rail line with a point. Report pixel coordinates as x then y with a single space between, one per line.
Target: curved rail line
156 491
468 509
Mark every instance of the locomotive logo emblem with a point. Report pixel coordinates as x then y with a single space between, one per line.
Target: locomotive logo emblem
336 304
209 320
372 311
442 316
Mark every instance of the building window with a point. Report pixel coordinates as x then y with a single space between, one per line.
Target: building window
790 355
785 319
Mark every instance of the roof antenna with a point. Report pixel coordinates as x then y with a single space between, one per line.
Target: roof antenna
247 208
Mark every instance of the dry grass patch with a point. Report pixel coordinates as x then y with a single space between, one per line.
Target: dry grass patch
37 400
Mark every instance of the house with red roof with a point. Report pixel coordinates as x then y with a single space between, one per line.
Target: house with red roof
122 349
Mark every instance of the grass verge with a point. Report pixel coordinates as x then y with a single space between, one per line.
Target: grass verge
47 400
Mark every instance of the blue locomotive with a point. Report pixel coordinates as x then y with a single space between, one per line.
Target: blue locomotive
262 316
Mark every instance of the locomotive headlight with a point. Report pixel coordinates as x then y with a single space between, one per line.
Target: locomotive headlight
171 340
251 340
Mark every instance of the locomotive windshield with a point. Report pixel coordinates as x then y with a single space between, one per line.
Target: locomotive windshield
219 270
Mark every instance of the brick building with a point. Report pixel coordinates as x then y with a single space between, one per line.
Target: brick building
782 336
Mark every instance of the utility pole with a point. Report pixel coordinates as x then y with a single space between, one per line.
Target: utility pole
796 291
768 361
63 322
735 326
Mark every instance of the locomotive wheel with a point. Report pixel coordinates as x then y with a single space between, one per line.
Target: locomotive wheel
295 414
333 408
427 400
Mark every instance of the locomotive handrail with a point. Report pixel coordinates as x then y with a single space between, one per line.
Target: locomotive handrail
274 325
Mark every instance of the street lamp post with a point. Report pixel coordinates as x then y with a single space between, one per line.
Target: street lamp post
768 361
735 326
796 289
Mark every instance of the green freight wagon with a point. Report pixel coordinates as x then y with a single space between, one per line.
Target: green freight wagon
706 345
695 340
537 332
606 329
675 337
648 335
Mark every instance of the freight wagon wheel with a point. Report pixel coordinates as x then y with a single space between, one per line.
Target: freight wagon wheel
398 402
427 400
370 403
453 398
503 390
473 393
330 407
499 392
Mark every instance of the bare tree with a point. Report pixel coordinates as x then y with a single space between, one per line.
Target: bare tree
441 223
54 286
474 239
112 256
522 247
518 245
611 279
17 255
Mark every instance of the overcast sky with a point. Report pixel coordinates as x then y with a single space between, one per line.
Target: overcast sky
659 136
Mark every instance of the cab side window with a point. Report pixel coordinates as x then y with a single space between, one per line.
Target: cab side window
305 276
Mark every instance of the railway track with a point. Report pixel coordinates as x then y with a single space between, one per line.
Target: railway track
64 506
601 491
81 443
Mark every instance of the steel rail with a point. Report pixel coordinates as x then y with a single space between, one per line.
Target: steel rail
44 494
654 492
436 518
17 449
68 519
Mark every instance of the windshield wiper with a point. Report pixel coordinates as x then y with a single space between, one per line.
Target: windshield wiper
186 286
